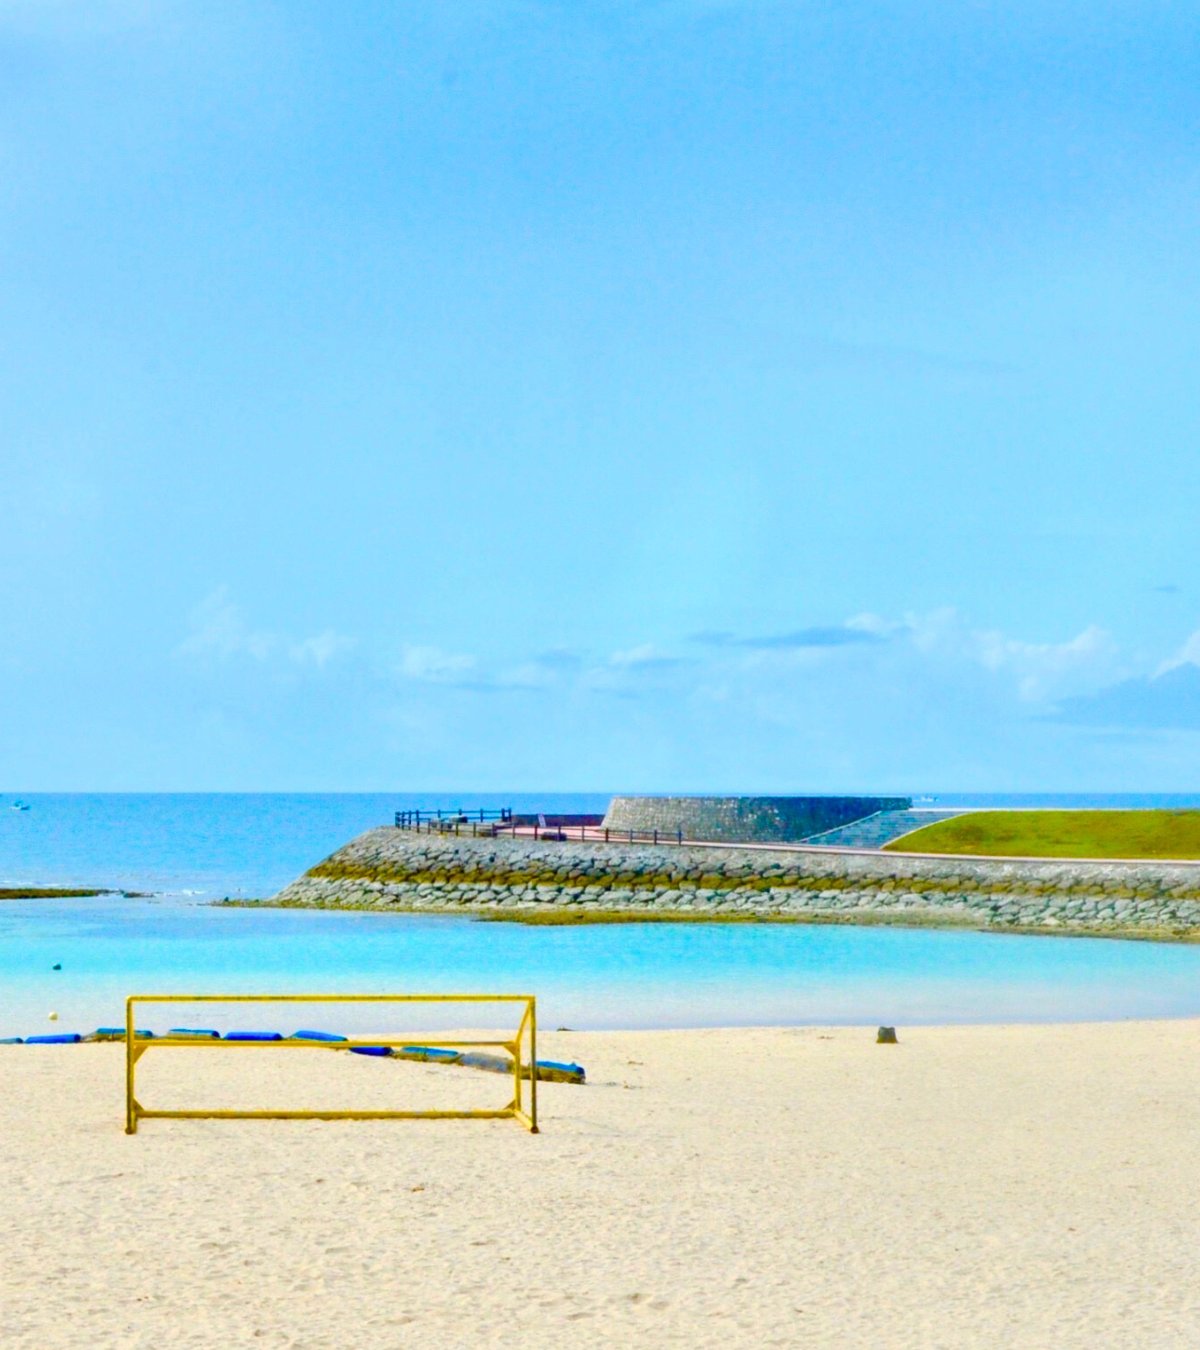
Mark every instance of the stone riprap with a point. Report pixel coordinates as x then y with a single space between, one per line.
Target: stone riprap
744 819
390 869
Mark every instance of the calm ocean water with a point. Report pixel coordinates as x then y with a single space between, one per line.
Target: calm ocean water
189 849
207 844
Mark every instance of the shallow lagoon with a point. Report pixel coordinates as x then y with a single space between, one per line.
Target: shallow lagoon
627 975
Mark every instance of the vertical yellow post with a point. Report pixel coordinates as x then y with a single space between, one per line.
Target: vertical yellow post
518 1039
516 1054
130 1114
533 1125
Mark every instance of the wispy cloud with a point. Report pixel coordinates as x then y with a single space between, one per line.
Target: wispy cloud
320 649
432 665
938 641
1187 655
547 670
1038 666
832 635
218 630
1169 701
645 657
559 658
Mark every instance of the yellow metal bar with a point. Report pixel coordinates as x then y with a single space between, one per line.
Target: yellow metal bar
533 1079
515 1051
130 1061
330 998
503 1113
212 1042
517 1103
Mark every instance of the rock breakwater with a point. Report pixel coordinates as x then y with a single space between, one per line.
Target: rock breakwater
396 870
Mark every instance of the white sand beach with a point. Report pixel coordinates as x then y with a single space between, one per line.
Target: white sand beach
1016 1186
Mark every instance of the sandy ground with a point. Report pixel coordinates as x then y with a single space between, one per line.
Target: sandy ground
982 1186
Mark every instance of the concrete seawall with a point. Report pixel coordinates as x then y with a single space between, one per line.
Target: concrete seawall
390 869
745 819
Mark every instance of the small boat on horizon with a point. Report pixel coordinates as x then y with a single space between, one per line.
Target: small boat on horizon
19 805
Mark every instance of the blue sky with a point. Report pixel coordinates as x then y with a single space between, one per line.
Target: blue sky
646 396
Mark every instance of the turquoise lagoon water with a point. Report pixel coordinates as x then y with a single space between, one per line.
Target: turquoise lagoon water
189 848
630 975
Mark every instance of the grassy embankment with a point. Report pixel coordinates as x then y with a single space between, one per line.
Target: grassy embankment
46 892
1060 834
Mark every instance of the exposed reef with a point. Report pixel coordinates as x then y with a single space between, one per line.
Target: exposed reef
63 892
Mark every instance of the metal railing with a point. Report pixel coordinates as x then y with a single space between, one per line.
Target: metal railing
136 1047
442 822
416 818
493 821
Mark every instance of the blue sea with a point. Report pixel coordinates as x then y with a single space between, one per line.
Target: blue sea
184 851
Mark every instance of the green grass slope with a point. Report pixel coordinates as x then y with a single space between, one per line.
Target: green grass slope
1060 834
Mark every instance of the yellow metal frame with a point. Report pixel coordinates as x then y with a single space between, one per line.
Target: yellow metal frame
136 1047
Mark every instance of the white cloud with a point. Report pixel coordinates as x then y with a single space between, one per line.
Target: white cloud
1040 670
645 654
632 667
528 675
1040 666
876 625
433 665
219 630
1187 655
320 649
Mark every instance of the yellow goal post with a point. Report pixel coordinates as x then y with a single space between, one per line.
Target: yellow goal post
522 1107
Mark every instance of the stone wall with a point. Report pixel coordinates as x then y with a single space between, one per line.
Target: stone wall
744 819
389 869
